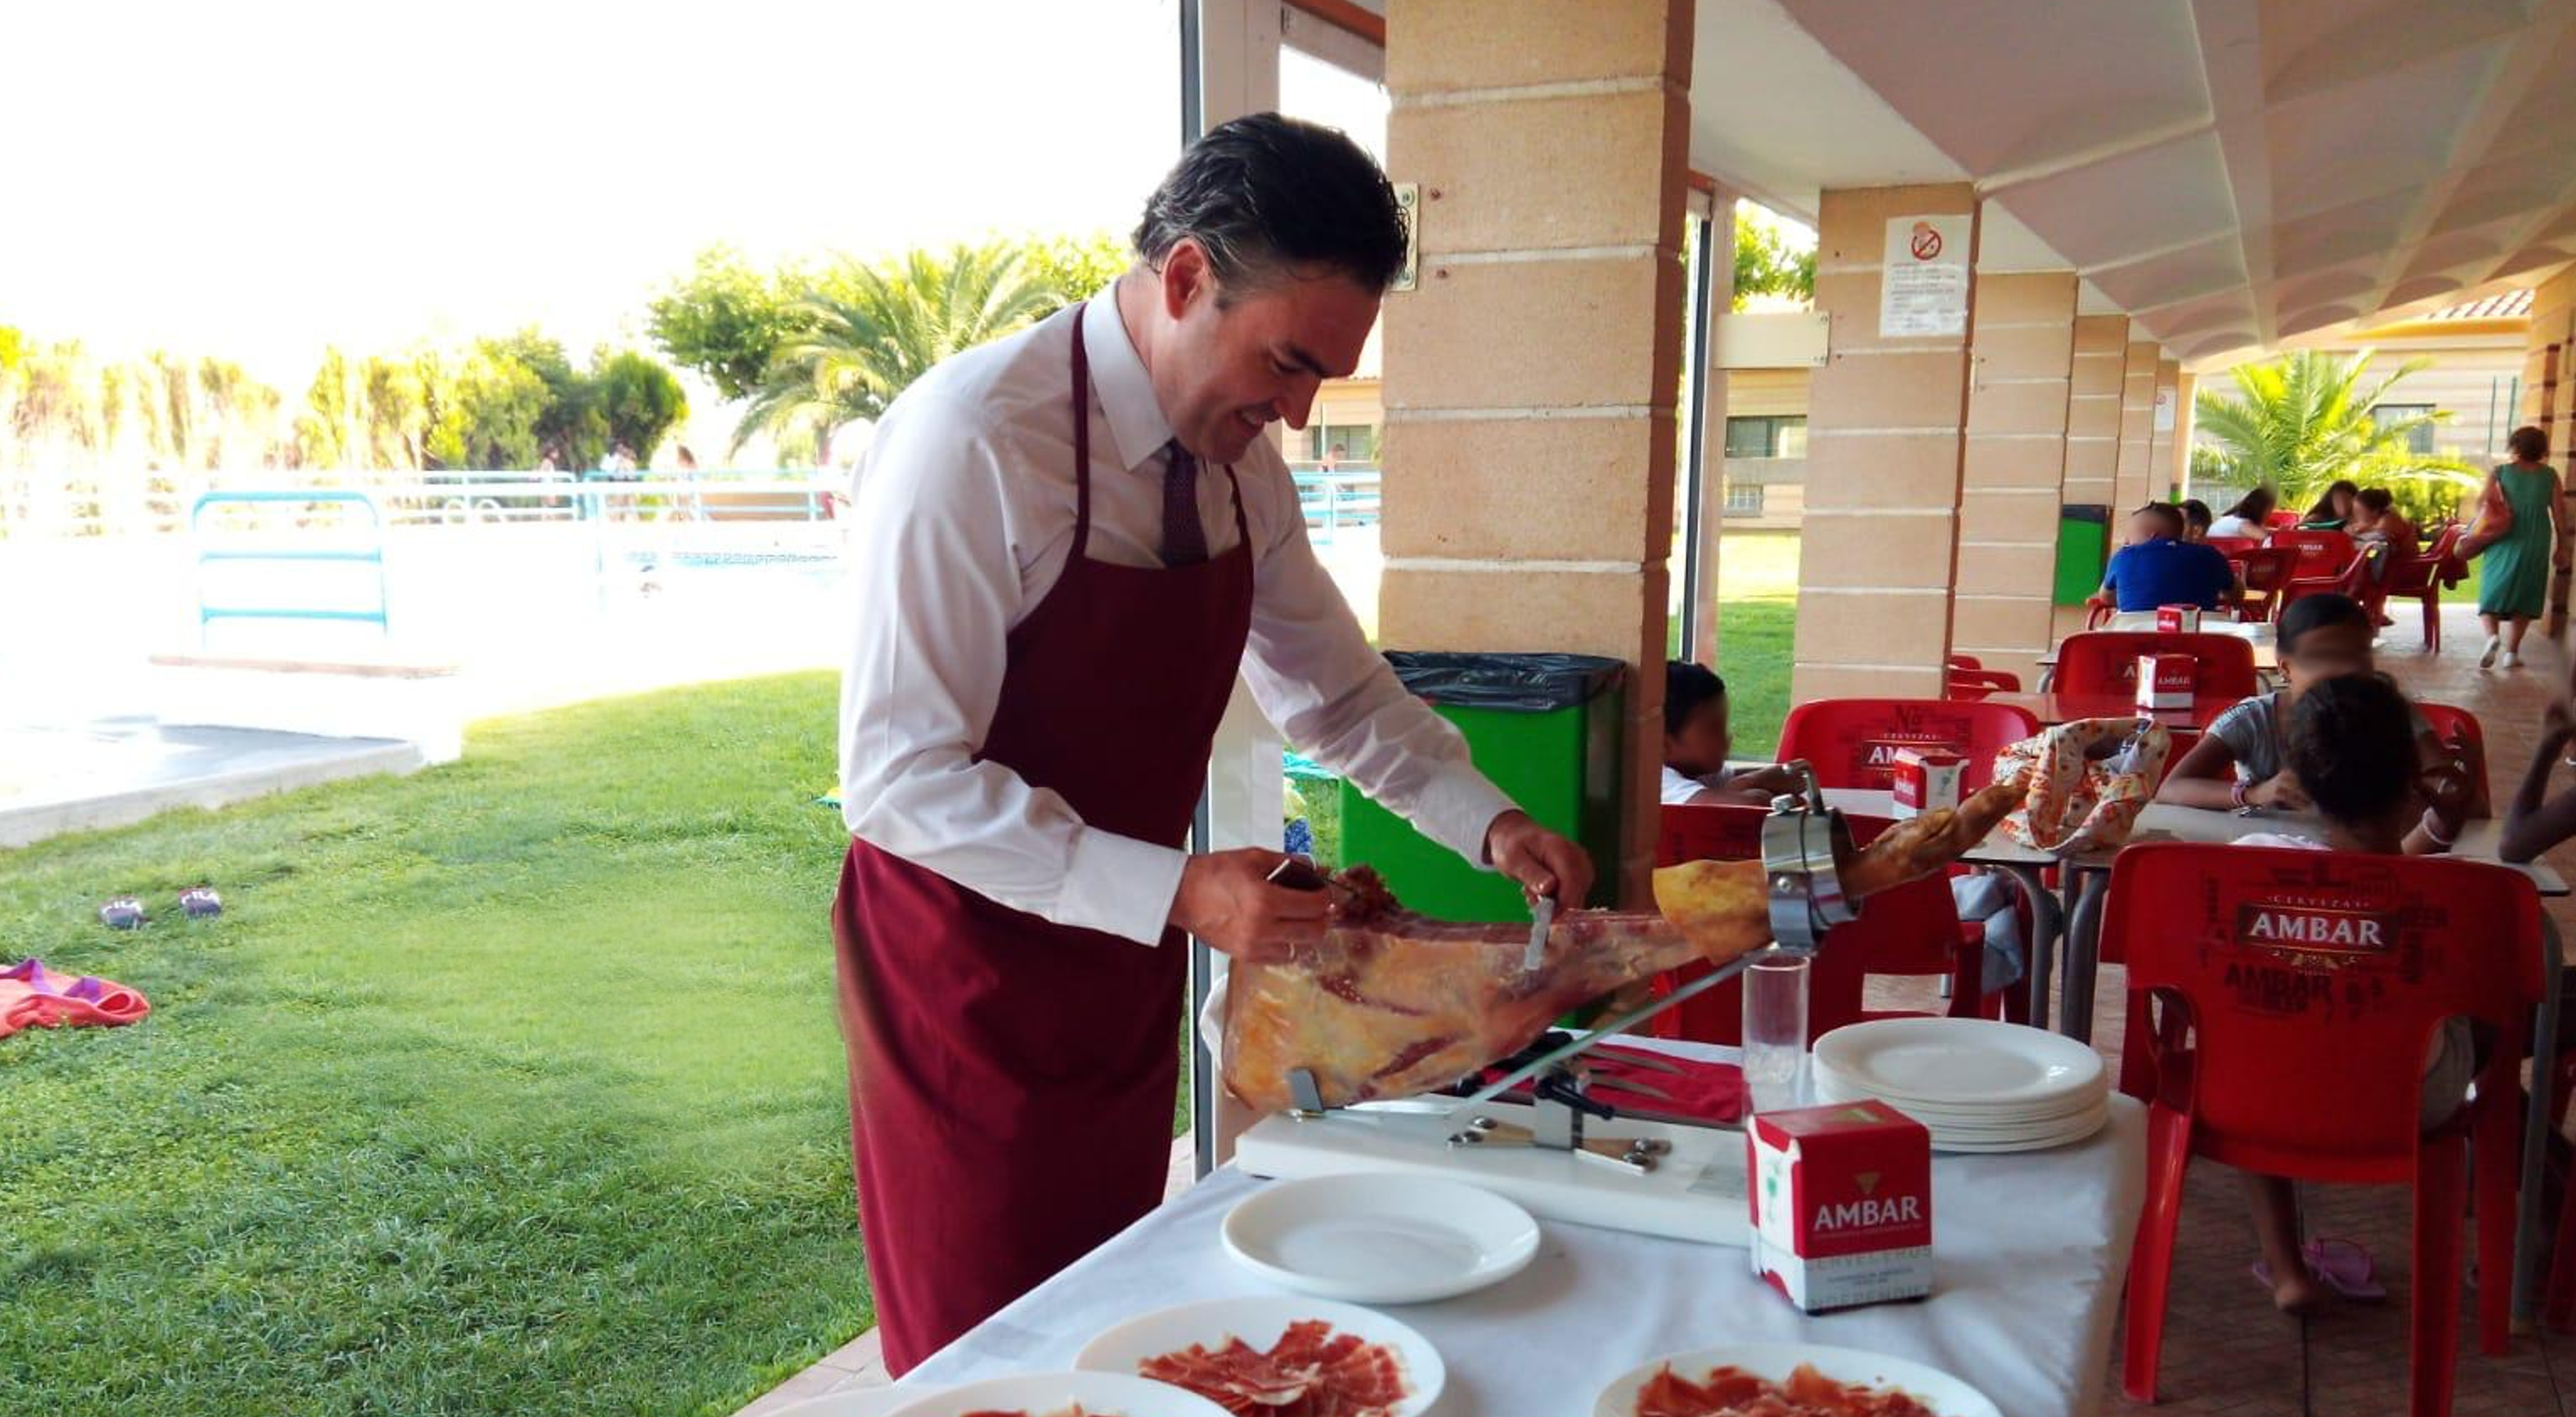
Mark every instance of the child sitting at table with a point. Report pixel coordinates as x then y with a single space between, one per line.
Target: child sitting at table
2195 519
2350 746
1698 741
2239 762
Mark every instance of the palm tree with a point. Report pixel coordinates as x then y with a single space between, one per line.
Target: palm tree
873 330
2302 421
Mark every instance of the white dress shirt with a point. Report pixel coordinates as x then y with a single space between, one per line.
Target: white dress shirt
961 522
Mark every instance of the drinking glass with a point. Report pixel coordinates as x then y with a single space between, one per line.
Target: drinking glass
1775 1030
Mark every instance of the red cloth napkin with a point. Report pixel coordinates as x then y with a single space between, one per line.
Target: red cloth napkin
33 997
1708 1092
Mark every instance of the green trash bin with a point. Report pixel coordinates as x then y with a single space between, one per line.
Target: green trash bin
1546 729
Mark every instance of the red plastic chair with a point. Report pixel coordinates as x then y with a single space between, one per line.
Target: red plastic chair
1853 742
2106 662
1970 681
2232 547
2419 578
2321 553
2353 579
2264 571
2282 521
2446 721
1912 930
2267 964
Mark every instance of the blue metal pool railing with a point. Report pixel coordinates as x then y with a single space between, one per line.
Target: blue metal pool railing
373 553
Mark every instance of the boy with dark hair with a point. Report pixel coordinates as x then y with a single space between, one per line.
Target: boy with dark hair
1698 739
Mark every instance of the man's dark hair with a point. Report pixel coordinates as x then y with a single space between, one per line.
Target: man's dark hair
2352 744
2316 612
2166 513
2378 499
2529 443
2195 512
1686 687
1264 194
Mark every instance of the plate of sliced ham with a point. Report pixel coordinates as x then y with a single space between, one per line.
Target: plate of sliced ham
1788 1380
1278 1357
1075 1394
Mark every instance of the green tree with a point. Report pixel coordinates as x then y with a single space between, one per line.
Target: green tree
1071 268
331 403
878 328
487 415
397 402
1765 264
639 399
2303 420
726 321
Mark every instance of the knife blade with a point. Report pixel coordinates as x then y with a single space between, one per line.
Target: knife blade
1542 918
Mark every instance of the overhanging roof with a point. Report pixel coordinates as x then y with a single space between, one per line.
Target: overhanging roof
2233 174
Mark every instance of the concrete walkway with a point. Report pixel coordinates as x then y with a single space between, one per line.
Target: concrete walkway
109 772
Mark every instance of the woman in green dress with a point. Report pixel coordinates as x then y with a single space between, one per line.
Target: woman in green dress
2515 588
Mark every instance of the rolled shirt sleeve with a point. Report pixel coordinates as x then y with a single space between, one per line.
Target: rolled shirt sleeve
935 571
1315 674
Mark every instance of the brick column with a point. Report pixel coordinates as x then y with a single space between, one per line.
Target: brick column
1532 378
2163 482
2137 435
1880 539
2020 353
2186 388
2549 348
2094 387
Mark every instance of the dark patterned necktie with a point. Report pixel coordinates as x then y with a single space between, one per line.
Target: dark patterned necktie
1184 540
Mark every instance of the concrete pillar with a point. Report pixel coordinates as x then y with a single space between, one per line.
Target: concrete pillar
2186 389
1710 524
2094 387
2163 483
2020 355
1532 377
2549 349
2137 480
1884 447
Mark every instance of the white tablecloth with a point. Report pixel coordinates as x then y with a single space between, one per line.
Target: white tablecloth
2030 1249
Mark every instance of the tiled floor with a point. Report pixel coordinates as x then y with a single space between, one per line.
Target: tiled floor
2226 1349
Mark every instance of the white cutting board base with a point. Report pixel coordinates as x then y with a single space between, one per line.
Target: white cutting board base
1697 1192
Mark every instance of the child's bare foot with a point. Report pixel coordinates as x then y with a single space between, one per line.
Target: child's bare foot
2293 1293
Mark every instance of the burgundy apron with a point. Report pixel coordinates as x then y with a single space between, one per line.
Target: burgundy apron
1011 1080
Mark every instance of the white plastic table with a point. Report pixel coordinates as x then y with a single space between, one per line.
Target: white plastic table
2031 1250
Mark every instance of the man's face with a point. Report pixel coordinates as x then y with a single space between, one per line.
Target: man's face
1224 372
2146 526
1705 742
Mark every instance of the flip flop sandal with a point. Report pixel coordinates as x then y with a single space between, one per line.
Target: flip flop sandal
123 913
2345 1268
201 902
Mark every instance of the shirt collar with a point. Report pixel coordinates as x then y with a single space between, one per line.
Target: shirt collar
1136 422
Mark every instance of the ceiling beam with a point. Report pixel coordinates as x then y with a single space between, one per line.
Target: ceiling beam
2231 59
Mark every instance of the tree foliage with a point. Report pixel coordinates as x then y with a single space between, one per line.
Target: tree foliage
876 328
727 321
1073 268
638 398
1766 263
2304 420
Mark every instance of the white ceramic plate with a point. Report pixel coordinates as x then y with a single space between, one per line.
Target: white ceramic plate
1997 1125
868 1402
1045 1394
1971 1062
1380 1238
1944 1394
2041 1141
1259 1321
1831 1089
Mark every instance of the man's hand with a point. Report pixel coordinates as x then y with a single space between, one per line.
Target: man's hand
1774 779
1540 860
2280 790
1227 900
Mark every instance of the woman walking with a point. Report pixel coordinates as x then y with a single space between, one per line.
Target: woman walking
2515 588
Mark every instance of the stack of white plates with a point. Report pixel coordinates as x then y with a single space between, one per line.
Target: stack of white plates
1979 1085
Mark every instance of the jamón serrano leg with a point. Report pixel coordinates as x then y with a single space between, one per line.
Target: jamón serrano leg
1391 1004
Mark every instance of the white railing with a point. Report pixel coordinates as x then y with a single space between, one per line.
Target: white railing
49 507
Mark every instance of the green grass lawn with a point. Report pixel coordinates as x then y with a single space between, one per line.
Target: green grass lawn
1757 620
510 1087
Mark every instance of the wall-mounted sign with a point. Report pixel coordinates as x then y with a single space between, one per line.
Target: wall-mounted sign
1923 282
2165 409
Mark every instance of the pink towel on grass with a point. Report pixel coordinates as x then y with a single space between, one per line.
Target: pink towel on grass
32 997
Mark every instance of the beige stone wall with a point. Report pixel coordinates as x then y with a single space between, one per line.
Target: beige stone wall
2096 384
2137 441
2021 352
1531 379
2162 483
1883 465
2548 381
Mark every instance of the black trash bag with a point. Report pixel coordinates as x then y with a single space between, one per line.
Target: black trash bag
1514 683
